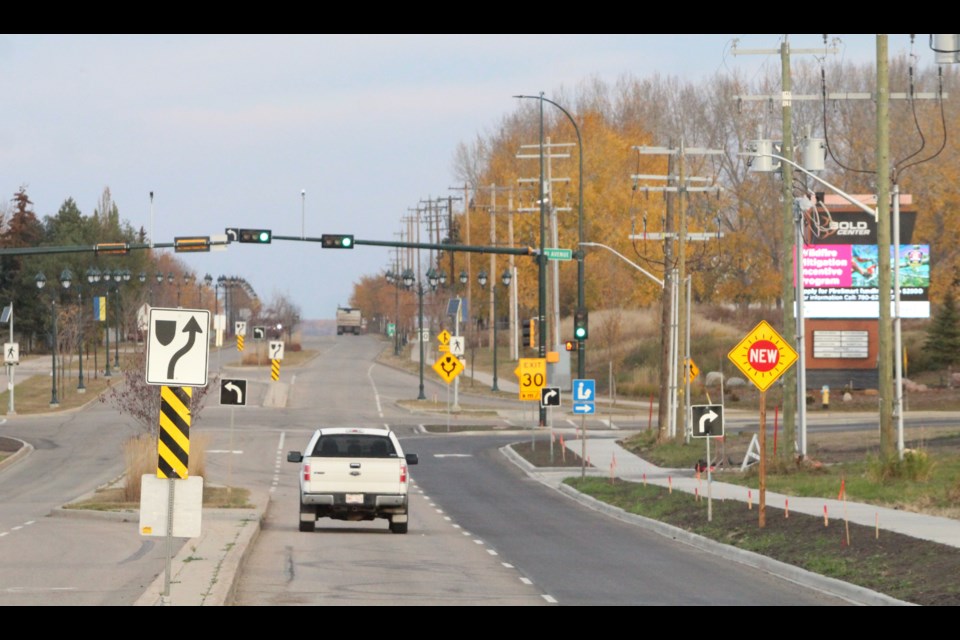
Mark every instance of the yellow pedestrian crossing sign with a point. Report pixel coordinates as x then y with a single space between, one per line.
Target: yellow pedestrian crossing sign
692 370
448 367
444 337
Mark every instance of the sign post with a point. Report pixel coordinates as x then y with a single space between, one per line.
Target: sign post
707 423
178 353
763 356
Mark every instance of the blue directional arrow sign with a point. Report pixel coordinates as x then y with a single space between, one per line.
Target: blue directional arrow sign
584 407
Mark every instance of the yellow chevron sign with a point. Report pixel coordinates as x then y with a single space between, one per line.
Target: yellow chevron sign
173 444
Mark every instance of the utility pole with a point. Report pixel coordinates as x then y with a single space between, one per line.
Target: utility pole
886 180
682 187
554 290
791 395
884 369
493 274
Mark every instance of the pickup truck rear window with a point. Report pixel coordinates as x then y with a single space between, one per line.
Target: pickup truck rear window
354 446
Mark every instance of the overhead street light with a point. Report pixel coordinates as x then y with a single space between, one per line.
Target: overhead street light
801 395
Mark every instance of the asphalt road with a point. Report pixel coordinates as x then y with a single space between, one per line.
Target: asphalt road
481 532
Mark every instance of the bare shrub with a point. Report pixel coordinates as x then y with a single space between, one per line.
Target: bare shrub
141 457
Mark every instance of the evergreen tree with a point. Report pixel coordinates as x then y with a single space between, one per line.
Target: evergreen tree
943 334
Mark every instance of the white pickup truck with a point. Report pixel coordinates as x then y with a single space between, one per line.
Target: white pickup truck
354 474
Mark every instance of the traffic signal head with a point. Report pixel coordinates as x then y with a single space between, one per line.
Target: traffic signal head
580 331
571 345
336 241
530 333
259 236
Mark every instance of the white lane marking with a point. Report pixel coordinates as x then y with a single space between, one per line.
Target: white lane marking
507 565
277 464
550 599
526 580
376 395
452 455
447 518
492 552
293 380
231 451
475 541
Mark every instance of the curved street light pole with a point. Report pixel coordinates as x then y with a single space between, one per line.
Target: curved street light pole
541 259
801 395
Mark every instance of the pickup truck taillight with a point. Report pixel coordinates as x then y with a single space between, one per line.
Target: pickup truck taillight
403 473
306 472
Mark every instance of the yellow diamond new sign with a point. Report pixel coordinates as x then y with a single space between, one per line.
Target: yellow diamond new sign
448 367
763 356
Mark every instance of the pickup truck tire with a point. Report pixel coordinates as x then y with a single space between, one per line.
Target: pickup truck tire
398 527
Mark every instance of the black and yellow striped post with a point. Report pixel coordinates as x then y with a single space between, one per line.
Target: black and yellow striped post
239 343
275 369
173 443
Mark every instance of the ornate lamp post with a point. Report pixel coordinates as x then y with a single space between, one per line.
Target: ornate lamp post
394 279
94 276
408 280
505 277
118 277
66 278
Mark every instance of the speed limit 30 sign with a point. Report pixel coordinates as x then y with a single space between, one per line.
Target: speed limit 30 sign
532 377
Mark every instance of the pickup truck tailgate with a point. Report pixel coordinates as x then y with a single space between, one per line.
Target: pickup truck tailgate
355 475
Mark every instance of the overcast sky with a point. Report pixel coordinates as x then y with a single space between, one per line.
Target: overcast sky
312 133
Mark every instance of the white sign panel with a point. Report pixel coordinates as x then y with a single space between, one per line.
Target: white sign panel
240 328
275 350
11 352
179 348
154 506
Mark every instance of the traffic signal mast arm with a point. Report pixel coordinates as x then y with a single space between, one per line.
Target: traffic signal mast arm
515 251
214 242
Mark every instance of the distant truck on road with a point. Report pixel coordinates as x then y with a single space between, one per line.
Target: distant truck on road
349 321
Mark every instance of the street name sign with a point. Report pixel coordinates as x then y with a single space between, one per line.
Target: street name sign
558 254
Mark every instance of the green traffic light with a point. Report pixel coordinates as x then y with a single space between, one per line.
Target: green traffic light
264 236
346 242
